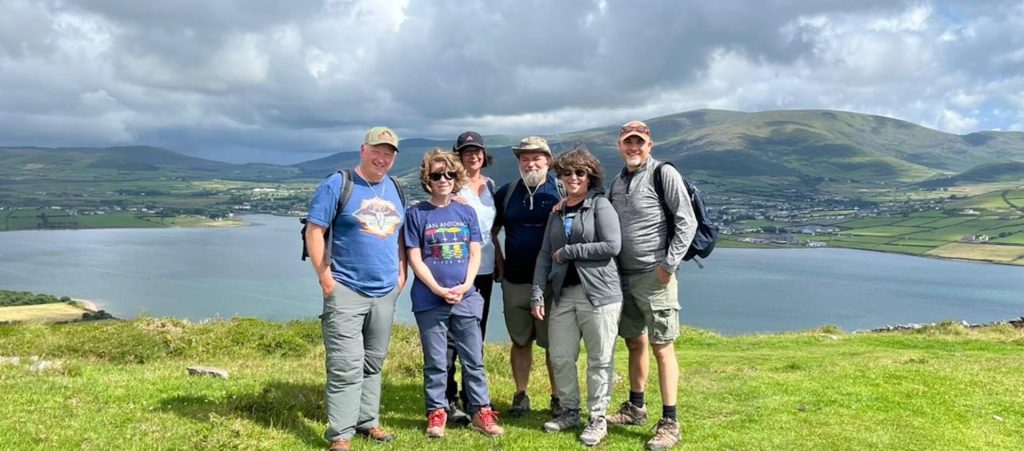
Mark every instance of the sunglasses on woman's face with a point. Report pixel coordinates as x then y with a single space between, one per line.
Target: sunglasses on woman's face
435 176
579 173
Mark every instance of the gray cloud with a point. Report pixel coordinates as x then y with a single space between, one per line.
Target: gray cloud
264 80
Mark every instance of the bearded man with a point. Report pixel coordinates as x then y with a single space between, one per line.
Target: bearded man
523 207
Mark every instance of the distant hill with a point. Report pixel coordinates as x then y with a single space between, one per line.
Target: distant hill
795 149
131 162
1007 171
790 149
814 144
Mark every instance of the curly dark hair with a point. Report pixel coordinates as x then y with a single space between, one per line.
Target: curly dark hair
450 161
579 157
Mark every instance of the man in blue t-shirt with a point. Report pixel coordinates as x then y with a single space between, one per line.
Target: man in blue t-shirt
524 214
361 274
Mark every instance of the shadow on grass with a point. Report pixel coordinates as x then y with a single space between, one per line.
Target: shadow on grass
291 407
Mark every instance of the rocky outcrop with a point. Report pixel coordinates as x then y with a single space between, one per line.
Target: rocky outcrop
1016 323
207 371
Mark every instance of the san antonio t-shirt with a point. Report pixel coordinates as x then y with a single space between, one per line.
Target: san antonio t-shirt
443 235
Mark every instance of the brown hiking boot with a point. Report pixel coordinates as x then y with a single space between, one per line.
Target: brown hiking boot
666 435
377 434
486 421
435 423
339 445
629 414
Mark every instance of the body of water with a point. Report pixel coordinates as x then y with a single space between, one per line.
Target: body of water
255 271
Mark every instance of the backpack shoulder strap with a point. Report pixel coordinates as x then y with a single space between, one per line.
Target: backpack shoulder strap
561 188
659 189
659 181
508 196
346 192
490 186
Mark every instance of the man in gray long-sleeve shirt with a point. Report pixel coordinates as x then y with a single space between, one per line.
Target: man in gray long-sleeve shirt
654 239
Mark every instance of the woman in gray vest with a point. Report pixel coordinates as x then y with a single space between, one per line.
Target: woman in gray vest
578 260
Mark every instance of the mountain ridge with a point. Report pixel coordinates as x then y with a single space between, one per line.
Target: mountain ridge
789 147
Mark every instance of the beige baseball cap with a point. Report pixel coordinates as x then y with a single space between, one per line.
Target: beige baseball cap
532 144
381 135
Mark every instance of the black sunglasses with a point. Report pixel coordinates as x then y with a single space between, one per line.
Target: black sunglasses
435 176
579 173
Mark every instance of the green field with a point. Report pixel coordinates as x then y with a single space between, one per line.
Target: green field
122 385
916 221
868 222
883 231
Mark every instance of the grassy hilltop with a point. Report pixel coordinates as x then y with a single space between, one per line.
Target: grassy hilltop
122 385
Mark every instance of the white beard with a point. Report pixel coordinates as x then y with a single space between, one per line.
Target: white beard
532 178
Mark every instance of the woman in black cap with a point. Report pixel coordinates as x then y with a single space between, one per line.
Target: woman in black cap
479 194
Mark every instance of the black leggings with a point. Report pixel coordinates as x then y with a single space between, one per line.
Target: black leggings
483 284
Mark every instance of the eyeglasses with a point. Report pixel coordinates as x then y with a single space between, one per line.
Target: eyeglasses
435 176
635 128
580 173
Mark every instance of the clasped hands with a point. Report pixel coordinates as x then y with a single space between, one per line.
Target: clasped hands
454 294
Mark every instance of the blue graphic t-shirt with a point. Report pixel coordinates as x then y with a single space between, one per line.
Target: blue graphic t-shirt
364 244
524 227
443 235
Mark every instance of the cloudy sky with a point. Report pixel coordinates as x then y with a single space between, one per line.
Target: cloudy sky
275 81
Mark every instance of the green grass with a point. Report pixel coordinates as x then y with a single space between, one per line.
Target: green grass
1017 238
123 386
917 221
869 222
883 231
947 222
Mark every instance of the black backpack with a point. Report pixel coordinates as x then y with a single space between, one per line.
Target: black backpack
346 193
706 235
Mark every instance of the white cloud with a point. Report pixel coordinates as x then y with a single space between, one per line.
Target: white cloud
955 122
262 75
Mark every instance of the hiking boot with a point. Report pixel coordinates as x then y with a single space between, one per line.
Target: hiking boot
377 434
569 419
556 407
595 431
486 422
339 445
666 435
629 414
456 415
435 423
520 404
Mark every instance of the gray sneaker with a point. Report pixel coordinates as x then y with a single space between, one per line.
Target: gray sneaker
666 435
595 431
629 414
569 419
520 404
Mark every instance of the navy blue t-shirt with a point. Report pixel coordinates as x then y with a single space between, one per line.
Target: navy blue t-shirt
443 234
524 228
